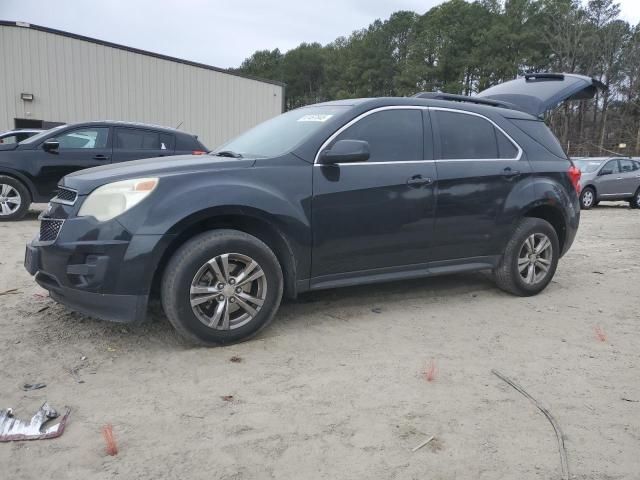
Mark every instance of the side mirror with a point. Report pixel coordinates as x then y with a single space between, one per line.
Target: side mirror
605 171
51 145
346 151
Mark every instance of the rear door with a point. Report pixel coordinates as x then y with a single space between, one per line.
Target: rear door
609 180
378 213
136 143
630 176
80 148
479 167
537 93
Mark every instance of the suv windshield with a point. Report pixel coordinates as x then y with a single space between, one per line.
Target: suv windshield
281 134
587 166
41 135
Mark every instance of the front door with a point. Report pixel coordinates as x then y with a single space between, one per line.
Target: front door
378 213
478 167
609 181
80 148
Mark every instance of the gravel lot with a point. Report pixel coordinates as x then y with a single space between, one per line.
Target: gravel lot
335 387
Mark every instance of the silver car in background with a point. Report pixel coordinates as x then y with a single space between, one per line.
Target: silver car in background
609 178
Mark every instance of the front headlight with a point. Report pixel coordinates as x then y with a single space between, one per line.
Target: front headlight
113 199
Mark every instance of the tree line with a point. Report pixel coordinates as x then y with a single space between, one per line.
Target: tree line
464 47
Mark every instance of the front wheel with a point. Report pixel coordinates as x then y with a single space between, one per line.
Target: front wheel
221 287
14 199
588 198
530 258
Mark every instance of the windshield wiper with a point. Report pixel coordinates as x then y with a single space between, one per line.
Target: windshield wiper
228 153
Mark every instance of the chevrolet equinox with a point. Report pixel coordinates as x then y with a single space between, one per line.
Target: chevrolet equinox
339 193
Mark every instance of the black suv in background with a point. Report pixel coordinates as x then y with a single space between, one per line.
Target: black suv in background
31 170
335 194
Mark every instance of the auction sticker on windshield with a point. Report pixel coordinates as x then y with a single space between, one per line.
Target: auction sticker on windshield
318 117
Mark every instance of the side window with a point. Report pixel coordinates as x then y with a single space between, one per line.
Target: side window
506 148
90 138
636 165
167 141
626 166
138 139
9 139
393 135
465 136
610 167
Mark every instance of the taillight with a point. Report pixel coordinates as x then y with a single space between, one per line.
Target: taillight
198 152
574 176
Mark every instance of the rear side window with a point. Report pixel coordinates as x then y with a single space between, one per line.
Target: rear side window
627 166
464 136
506 149
167 141
393 135
189 143
137 139
539 131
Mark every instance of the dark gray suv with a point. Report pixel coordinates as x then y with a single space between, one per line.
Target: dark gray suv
341 193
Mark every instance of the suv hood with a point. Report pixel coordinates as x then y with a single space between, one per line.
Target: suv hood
536 93
85 181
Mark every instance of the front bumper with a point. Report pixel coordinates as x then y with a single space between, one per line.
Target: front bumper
99 269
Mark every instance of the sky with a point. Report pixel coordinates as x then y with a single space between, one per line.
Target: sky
218 32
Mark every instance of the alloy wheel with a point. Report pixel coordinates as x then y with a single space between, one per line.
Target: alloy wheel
535 258
228 291
10 200
587 198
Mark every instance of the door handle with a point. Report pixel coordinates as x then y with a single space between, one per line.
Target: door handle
419 180
508 172
101 157
618 178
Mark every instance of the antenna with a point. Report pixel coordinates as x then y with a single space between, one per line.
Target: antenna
180 124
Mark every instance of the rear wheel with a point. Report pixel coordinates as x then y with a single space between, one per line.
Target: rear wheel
222 287
588 198
14 199
530 259
635 200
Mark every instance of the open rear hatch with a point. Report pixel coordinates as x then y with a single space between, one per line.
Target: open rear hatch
536 93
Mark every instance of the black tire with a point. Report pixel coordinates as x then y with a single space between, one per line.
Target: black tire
18 189
588 198
188 262
634 202
507 275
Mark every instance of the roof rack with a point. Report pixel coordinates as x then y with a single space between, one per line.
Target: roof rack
465 98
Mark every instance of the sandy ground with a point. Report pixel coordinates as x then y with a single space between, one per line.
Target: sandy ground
335 389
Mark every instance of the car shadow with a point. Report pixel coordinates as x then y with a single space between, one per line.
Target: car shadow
156 333
612 206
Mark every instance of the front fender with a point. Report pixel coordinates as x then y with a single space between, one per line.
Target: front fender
279 195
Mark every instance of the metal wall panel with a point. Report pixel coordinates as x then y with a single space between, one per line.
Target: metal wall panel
75 80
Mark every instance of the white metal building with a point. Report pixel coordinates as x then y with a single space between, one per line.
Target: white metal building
49 77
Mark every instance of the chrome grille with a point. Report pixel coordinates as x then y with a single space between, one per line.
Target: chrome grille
66 196
49 229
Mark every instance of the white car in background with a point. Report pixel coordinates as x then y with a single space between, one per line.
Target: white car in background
16 136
